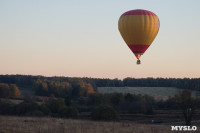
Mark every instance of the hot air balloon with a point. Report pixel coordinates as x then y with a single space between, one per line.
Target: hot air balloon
138 28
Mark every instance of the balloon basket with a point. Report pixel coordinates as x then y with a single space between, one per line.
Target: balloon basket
138 62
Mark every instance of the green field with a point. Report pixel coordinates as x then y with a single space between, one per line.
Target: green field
158 92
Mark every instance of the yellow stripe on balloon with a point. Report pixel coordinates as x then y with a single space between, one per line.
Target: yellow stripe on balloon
138 29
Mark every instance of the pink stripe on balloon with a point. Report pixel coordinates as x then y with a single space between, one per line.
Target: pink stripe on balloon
138 12
138 48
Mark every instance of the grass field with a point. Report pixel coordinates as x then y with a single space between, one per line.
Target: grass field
158 92
11 124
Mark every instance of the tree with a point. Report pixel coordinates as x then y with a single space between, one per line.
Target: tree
129 97
104 112
116 98
14 91
60 103
45 109
95 99
6 107
26 107
55 104
9 91
67 101
69 112
187 104
41 88
90 89
4 90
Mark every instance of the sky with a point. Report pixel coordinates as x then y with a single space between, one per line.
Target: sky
80 38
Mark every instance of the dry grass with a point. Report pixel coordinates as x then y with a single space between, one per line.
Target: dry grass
11 124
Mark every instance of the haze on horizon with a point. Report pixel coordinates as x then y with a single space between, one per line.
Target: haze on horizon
81 39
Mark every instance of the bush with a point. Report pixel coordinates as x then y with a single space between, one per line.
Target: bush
26 107
149 110
6 108
55 104
35 113
95 99
45 109
105 113
69 112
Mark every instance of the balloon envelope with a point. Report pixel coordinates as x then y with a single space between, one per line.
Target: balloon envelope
138 28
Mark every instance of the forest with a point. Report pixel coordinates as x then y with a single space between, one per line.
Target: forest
182 83
70 97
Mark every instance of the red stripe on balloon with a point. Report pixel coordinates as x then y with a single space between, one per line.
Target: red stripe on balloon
138 48
139 12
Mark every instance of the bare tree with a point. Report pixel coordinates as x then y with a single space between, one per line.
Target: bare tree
187 103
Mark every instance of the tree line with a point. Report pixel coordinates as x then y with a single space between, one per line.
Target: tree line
73 88
182 83
101 106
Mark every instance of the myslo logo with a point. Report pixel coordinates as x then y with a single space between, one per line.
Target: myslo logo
183 128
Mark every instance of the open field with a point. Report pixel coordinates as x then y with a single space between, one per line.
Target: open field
158 92
11 124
